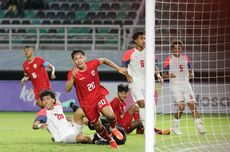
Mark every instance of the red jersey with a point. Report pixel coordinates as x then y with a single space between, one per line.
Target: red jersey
118 108
37 73
87 84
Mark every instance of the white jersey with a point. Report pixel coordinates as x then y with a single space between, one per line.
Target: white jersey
179 66
56 121
135 61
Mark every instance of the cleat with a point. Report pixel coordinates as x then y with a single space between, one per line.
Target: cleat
117 134
201 129
177 131
67 103
113 144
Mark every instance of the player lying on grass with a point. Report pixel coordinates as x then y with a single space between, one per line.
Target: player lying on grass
52 118
129 119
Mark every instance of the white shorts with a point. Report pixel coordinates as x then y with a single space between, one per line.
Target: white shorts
137 92
71 138
182 92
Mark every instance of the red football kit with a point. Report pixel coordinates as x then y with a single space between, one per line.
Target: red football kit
123 118
90 93
37 74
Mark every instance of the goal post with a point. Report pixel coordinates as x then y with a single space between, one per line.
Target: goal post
204 28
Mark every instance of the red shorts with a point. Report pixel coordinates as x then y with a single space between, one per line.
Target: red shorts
92 112
127 121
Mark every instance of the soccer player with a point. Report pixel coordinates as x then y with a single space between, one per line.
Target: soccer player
134 59
51 117
130 119
35 70
85 77
178 69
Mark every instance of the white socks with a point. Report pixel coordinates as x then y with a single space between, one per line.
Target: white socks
142 115
176 123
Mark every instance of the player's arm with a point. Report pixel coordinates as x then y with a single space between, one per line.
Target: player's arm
39 125
24 79
52 68
190 71
70 82
116 67
157 72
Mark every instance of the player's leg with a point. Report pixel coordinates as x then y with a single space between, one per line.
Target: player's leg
108 113
191 102
138 97
39 103
178 94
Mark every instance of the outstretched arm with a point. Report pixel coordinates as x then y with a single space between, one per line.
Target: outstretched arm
39 125
116 67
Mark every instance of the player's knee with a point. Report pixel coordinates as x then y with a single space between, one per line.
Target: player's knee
141 103
110 117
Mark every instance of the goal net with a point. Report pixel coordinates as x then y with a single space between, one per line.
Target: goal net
204 28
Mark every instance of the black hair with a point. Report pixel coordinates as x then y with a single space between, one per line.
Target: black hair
47 93
137 34
176 42
75 51
122 87
26 47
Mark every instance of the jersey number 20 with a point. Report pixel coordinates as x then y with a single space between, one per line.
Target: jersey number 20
91 86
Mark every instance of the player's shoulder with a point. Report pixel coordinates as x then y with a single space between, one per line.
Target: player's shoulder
127 54
167 61
186 57
42 112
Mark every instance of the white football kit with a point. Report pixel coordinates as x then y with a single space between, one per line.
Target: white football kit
136 68
58 126
179 86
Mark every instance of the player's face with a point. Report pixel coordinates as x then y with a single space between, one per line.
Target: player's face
122 95
28 52
140 41
79 60
177 49
48 102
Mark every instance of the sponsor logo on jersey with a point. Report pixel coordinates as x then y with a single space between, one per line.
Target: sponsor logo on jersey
93 73
82 78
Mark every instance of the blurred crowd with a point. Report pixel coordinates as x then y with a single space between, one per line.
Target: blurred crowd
18 6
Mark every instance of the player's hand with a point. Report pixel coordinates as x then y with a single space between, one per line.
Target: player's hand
23 82
44 126
161 80
74 72
53 76
172 75
122 70
129 78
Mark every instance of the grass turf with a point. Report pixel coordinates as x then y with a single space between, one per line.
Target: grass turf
16 134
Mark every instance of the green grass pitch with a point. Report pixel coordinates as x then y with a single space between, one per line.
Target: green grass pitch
16 135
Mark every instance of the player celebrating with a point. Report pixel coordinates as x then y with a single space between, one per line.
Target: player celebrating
84 76
134 59
125 119
35 70
178 69
53 118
